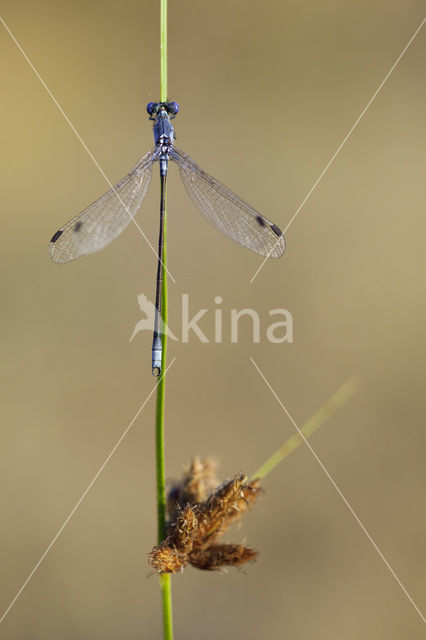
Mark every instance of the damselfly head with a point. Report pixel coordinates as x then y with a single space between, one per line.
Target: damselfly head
153 108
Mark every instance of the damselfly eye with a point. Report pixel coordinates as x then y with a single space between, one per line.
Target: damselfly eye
173 108
150 107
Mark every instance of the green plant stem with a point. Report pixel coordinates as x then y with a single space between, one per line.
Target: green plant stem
339 398
165 580
163 49
166 594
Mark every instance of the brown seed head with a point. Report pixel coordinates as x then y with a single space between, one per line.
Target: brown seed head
198 520
183 530
164 559
197 482
222 555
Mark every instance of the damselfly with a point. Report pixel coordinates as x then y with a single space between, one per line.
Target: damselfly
107 217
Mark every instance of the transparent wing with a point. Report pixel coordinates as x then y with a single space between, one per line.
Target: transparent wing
106 218
233 217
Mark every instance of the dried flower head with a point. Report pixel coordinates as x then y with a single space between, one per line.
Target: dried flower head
183 530
165 559
198 518
197 483
221 555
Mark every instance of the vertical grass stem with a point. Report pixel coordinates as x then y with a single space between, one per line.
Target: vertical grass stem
165 580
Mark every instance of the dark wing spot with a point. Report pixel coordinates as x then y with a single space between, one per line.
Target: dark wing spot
57 235
78 225
261 221
276 230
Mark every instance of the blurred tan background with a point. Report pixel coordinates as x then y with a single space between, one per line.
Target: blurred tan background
267 93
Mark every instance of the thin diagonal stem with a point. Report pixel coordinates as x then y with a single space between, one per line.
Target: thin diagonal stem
338 399
334 484
165 581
